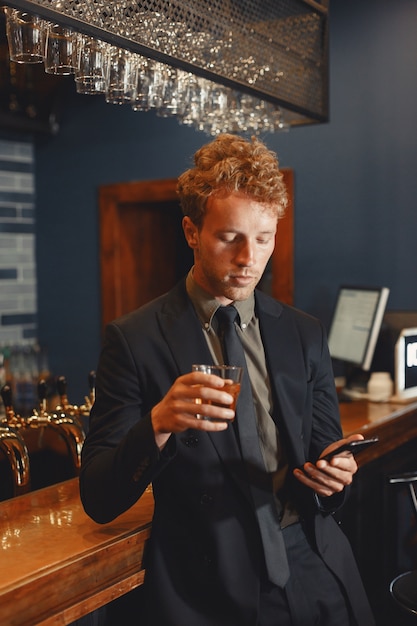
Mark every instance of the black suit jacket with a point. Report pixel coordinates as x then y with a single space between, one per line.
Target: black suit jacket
204 548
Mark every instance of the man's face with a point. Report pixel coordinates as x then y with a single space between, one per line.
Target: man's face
232 247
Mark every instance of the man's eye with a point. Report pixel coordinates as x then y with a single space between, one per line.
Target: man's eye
263 240
228 238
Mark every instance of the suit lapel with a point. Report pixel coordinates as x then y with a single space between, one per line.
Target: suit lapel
179 321
284 358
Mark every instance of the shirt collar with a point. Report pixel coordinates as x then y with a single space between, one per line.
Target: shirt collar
206 305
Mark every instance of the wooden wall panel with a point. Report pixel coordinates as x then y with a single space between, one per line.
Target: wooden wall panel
282 261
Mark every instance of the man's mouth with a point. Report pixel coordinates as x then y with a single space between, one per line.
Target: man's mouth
243 279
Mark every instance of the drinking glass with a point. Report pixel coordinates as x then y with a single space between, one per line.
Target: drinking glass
143 87
231 374
192 101
173 91
60 50
121 80
25 36
90 67
156 74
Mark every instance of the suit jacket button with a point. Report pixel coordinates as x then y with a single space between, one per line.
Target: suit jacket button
206 500
207 561
190 442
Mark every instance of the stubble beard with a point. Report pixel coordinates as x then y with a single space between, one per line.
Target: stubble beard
232 292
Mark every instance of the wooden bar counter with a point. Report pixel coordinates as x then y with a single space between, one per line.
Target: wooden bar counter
394 423
56 564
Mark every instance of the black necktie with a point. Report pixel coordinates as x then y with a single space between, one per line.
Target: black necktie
260 482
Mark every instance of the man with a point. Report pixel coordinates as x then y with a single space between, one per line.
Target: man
207 562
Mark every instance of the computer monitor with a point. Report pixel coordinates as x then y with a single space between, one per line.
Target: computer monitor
396 352
354 330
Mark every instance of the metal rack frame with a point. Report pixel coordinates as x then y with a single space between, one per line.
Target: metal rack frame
275 50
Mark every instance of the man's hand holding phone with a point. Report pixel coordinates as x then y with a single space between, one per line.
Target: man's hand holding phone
335 468
355 446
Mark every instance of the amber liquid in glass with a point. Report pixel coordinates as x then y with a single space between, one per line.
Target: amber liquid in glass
233 389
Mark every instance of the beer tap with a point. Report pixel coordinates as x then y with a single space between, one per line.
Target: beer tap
66 426
40 417
62 421
92 387
81 412
85 408
64 404
12 443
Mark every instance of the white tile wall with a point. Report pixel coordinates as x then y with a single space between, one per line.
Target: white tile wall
18 304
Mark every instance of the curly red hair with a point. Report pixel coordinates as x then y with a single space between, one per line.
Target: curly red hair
230 164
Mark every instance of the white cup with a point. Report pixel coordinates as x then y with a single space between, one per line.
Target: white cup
380 387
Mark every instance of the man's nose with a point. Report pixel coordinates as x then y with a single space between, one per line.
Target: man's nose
246 253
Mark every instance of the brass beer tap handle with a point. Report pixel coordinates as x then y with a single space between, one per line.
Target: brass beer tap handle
64 405
61 384
14 446
42 391
40 417
84 409
11 418
92 385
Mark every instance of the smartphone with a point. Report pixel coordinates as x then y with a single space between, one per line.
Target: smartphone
353 446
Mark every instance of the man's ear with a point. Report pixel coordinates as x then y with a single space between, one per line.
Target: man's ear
190 232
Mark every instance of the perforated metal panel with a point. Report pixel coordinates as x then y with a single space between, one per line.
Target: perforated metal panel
273 49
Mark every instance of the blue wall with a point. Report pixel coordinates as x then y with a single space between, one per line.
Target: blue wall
355 183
